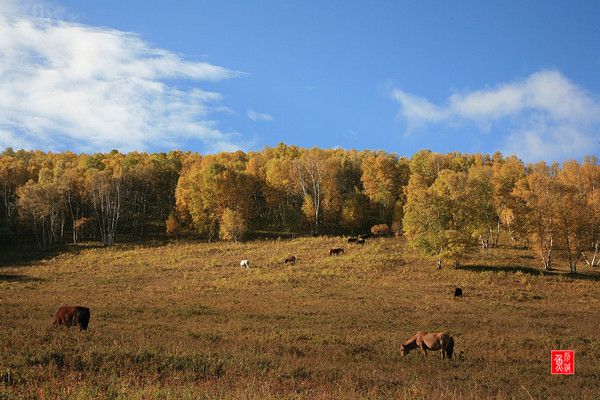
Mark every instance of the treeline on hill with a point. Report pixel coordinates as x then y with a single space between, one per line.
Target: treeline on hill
446 204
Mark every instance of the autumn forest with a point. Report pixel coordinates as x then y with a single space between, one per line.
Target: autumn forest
445 204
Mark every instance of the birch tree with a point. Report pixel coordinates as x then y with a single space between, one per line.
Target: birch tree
309 169
437 219
105 191
537 190
506 173
13 174
42 203
483 212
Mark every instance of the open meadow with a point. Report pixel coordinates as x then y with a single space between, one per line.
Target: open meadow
182 320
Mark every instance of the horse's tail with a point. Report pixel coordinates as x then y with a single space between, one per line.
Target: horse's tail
450 346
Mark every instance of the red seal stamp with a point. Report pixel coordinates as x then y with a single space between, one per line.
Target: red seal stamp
562 362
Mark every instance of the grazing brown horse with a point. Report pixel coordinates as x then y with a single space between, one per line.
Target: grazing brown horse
337 251
70 316
430 341
290 259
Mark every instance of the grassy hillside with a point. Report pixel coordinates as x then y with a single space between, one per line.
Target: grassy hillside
182 320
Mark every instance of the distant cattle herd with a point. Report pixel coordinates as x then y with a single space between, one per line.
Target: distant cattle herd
80 316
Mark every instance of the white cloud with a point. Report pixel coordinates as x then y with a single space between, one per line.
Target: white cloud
256 116
14 140
67 85
34 8
416 109
549 116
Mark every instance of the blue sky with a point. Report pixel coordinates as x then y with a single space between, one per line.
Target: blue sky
517 76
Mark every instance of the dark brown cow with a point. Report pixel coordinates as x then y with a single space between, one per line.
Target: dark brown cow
70 316
290 259
337 251
352 240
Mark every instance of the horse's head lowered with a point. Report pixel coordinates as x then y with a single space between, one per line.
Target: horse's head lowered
409 345
404 350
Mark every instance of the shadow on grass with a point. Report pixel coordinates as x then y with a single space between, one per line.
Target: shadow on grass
14 255
505 268
18 278
588 276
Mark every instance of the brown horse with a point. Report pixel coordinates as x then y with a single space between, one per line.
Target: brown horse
290 259
70 316
337 251
430 341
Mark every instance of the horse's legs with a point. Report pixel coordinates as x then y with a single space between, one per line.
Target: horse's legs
421 344
445 348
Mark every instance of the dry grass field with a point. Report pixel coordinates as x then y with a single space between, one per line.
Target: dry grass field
182 320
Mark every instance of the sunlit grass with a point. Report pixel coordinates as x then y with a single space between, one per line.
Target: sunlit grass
183 320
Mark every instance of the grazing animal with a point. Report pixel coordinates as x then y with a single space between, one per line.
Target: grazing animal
290 259
245 264
458 292
360 241
352 240
430 341
337 251
70 316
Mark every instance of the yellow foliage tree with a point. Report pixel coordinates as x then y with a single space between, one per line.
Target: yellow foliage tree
437 219
538 192
233 226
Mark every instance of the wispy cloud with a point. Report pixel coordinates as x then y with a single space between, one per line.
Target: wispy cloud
67 85
33 8
549 116
256 116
